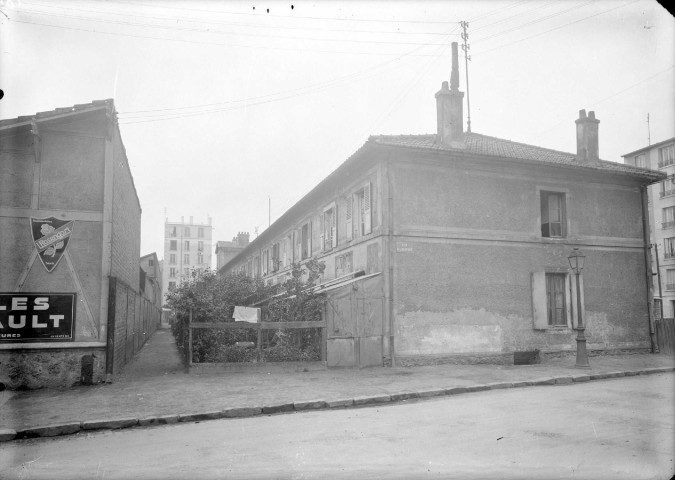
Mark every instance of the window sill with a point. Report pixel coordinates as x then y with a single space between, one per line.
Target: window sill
554 239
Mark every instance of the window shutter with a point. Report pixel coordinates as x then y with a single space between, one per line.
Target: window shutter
573 288
539 306
333 227
309 238
322 231
349 210
366 209
298 245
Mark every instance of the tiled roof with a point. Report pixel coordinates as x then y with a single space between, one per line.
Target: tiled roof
80 108
477 144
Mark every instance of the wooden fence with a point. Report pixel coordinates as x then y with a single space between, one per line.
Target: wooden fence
132 319
665 335
259 328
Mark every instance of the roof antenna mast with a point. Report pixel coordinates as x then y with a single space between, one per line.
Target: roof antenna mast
649 133
467 57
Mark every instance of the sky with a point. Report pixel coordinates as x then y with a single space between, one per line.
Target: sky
235 110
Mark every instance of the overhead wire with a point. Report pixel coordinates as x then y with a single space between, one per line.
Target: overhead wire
234 24
215 32
296 17
555 28
624 90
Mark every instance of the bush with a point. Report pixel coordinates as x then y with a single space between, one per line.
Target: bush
212 298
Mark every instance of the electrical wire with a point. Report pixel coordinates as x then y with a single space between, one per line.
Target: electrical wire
208 31
196 42
295 17
554 29
235 24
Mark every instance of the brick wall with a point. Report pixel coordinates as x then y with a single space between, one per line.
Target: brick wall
126 220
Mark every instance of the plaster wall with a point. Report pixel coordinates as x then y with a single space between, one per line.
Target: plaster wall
468 241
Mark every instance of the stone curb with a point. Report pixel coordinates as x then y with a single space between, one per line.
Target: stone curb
68 428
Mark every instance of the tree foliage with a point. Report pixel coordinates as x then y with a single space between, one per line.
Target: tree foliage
212 297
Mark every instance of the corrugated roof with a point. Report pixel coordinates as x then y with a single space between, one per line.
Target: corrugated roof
477 144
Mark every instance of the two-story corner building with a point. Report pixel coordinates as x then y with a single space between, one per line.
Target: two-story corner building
463 242
187 247
661 156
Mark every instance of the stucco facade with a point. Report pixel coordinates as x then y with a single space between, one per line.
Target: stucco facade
470 235
187 247
661 157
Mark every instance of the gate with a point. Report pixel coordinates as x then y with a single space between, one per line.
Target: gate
354 320
665 335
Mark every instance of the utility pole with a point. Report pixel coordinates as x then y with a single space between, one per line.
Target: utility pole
649 133
467 57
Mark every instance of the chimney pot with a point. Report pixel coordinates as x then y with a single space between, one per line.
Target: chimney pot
449 107
587 138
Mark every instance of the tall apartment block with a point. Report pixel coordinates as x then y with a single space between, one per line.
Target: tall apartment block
660 156
187 247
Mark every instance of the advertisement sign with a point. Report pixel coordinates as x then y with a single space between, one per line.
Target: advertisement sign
37 317
51 237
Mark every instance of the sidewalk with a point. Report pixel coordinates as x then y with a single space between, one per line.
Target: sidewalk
155 389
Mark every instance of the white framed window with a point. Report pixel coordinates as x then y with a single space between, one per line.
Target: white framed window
668 217
275 257
187 231
362 210
200 259
172 258
553 214
641 161
172 286
669 247
200 246
666 155
328 228
670 279
306 240
554 299
172 231
200 232
265 262
173 245
172 272
667 187
186 259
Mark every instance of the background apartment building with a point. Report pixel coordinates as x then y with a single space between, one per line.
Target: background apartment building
660 156
187 247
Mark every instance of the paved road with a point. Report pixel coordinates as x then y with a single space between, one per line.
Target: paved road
619 429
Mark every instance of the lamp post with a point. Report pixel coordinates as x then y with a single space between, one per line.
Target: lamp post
576 260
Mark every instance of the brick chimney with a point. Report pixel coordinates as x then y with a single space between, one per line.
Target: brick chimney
587 138
242 239
449 108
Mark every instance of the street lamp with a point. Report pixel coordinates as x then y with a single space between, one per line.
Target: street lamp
576 260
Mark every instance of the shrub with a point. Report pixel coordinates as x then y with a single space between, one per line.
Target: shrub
212 298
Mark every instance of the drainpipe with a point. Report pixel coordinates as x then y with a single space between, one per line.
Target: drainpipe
648 268
391 255
658 277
